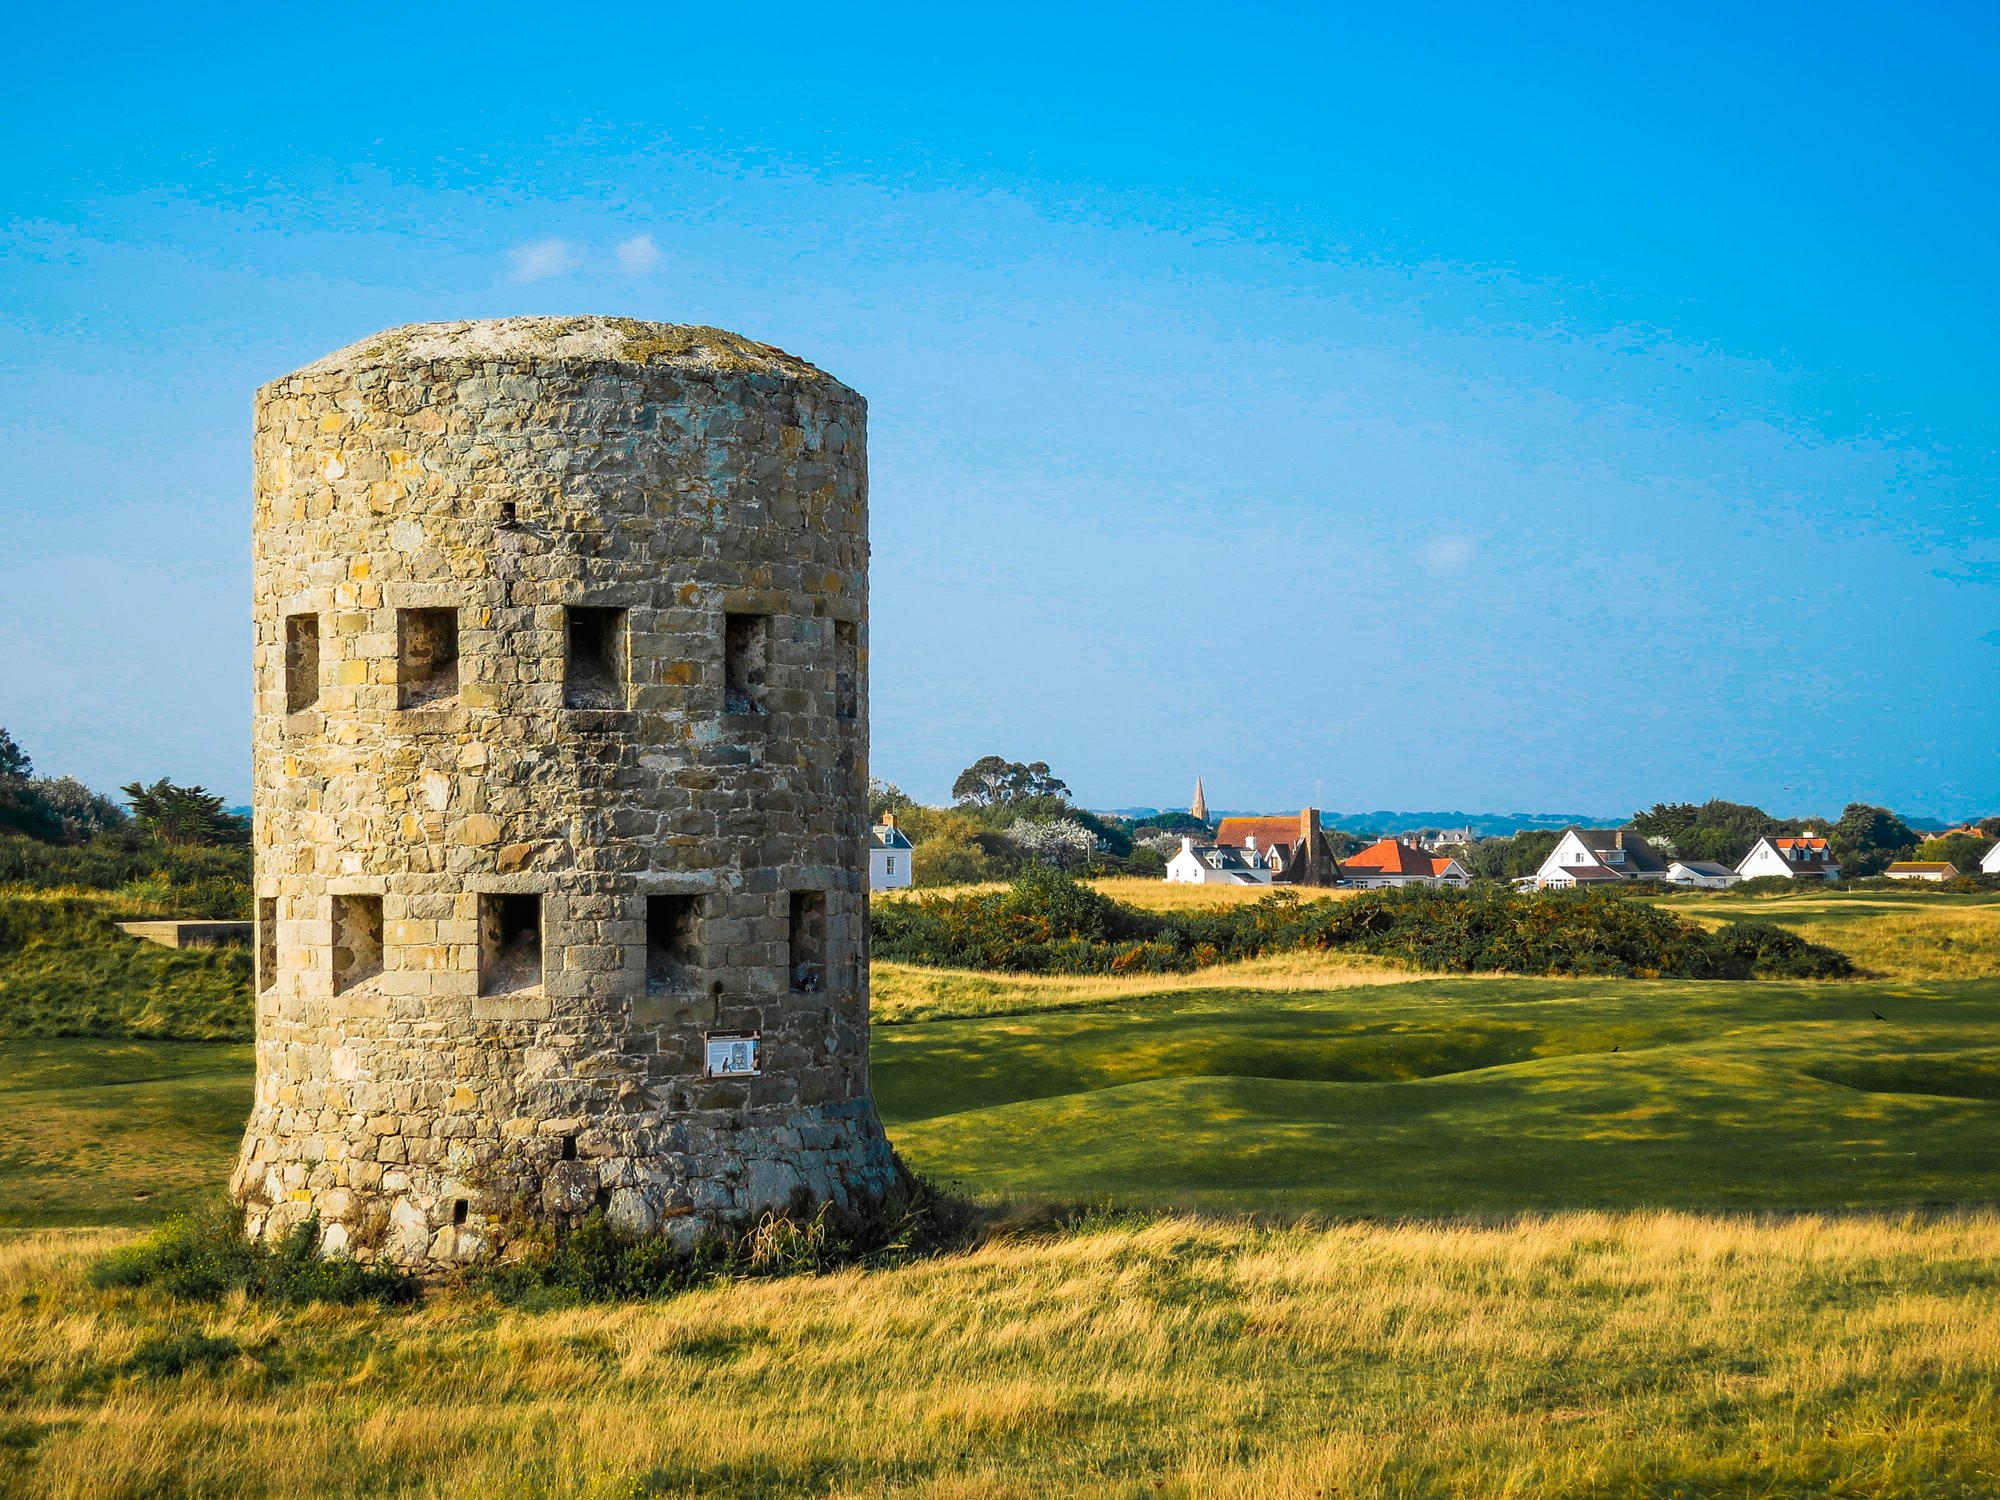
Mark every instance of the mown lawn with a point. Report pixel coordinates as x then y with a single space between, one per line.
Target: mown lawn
97 1130
1480 1096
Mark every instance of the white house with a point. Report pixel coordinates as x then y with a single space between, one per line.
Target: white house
1807 857
1991 864
1597 856
1917 869
1445 838
889 856
1220 864
1701 872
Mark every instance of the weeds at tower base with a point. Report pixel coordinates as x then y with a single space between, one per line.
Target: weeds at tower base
204 1257
911 1220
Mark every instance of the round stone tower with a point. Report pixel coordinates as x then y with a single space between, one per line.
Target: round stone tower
560 760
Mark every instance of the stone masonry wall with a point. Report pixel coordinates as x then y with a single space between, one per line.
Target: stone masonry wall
427 1083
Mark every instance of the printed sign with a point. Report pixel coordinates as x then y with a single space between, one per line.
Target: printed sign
733 1054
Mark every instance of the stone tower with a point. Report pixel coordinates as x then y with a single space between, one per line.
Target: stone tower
561 770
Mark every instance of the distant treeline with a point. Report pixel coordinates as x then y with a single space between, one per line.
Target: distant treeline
1048 923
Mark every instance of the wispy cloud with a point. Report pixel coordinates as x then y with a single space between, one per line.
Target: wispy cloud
638 255
1449 554
541 259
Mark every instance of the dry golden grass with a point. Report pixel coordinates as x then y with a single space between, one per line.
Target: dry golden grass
1589 1354
1893 937
911 992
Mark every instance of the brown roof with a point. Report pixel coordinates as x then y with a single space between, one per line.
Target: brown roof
1922 867
1269 832
1588 872
1639 855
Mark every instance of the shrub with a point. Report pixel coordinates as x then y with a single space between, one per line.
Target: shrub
203 1256
1047 923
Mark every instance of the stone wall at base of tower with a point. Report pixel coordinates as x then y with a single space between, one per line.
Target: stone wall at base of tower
560 760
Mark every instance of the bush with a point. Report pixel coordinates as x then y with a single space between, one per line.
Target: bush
203 1257
594 1264
1047 923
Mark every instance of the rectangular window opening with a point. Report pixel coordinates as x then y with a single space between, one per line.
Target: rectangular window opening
301 662
267 942
510 944
594 658
426 657
672 952
746 651
846 669
357 941
808 941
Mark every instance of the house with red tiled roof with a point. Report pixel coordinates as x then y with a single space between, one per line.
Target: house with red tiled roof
1295 849
1806 856
1388 863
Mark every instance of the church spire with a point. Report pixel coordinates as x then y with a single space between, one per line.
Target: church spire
1199 808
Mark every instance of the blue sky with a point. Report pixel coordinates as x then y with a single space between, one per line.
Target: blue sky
1493 408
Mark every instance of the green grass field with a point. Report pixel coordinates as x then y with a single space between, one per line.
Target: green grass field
1535 1258
1477 1096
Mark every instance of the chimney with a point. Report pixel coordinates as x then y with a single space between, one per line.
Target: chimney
1618 839
888 820
1187 844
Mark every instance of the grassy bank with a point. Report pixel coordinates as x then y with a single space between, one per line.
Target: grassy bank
66 970
1585 1355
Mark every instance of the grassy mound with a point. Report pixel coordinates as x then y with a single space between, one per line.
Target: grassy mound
1452 1096
66 970
1047 923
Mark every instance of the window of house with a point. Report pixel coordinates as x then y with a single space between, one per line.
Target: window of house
808 940
301 662
357 940
672 951
746 653
889 865
426 657
510 944
593 658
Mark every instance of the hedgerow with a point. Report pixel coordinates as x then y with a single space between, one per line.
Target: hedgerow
1046 923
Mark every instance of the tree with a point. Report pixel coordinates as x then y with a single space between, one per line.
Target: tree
1866 838
1717 830
1172 822
184 815
1062 842
991 781
22 809
82 812
887 797
1961 849
14 762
